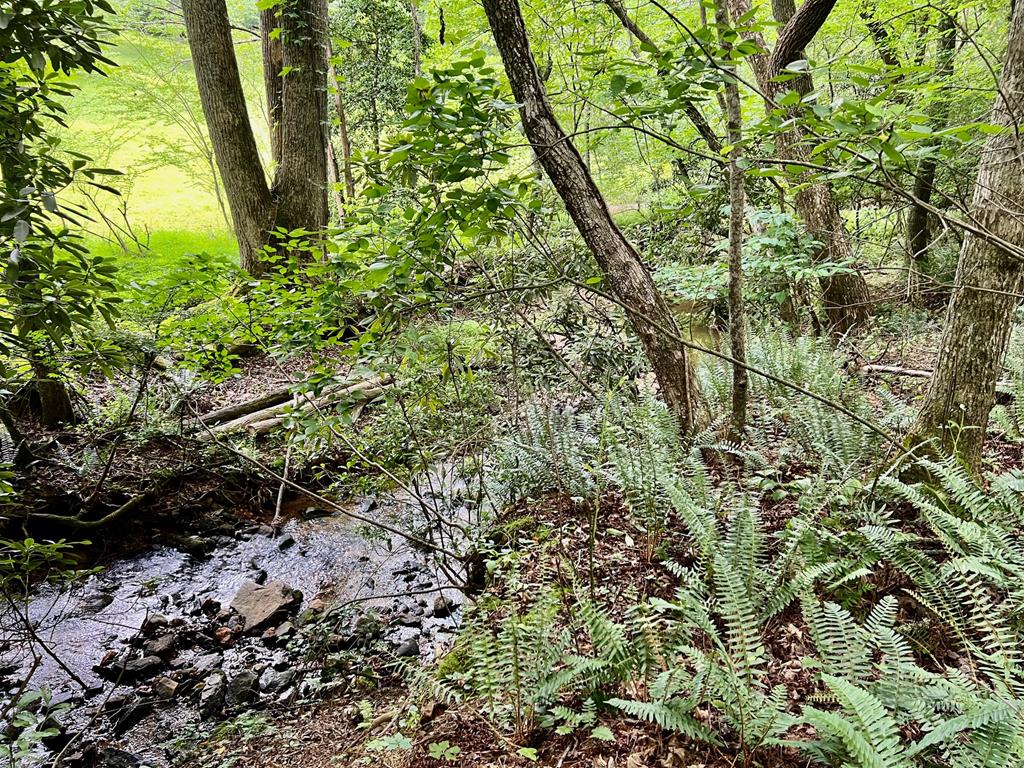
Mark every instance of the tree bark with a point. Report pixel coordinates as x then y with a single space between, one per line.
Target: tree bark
298 198
737 202
300 184
273 64
845 296
621 265
346 144
919 233
980 313
227 119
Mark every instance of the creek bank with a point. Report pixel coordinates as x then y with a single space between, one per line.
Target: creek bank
175 639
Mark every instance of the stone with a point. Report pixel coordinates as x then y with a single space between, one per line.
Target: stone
207 663
285 542
288 697
408 649
132 670
444 606
162 646
164 688
311 513
210 607
274 681
154 622
407 619
258 604
211 698
241 689
265 530
131 715
223 636
110 757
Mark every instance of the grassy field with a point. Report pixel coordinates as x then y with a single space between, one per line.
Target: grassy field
144 119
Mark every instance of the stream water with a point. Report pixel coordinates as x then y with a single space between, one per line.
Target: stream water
179 596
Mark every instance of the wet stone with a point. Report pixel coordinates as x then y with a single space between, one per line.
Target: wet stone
211 699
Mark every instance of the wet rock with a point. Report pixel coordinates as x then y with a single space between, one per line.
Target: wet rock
94 603
132 670
444 606
211 699
110 757
162 646
274 681
258 605
131 715
155 622
241 689
265 530
311 513
259 576
164 688
224 636
285 542
408 649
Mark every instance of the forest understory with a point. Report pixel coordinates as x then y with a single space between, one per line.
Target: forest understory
485 384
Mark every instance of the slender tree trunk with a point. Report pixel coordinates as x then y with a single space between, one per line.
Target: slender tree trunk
334 180
980 313
737 202
845 296
417 39
346 144
625 272
53 399
300 184
273 64
919 234
227 119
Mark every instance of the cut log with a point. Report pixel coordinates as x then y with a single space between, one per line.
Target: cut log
229 412
266 419
364 397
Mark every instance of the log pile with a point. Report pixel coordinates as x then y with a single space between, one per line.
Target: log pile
268 412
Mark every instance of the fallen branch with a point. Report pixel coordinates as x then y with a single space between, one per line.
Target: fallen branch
1004 386
364 396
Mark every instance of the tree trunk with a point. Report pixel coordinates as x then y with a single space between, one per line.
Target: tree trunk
417 39
227 119
621 265
300 184
346 144
737 315
980 313
273 64
845 296
52 398
919 233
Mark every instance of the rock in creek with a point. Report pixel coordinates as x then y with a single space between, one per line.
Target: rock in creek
211 700
259 605
241 689
131 670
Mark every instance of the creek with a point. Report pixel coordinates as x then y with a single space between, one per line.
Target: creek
137 648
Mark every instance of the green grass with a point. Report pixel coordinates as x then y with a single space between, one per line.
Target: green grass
165 263
144 119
